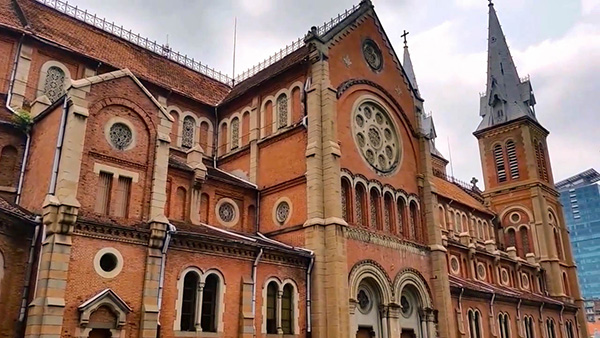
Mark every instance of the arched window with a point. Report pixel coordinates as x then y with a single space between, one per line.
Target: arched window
442 217
282 111
401 214
457 224
180 203
272 308
465 225
187 133
388 213
208 320
550 328
245 128
8 165
569 328
204 127
361 205
235 133
524 235
486 231
188 304
542 163
252 217
513 164
499 159
287 310
204 208
375 207
175 126
54 85
504 325
346 200
511 239
474 324
558 244
528 322
566 284
223 139
414 220
267 128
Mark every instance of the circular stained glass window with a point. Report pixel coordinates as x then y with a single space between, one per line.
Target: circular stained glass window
364 301
376 137
120 135
227 212
454 265
282 212
372 55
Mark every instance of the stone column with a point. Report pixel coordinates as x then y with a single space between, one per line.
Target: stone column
278 311
394 321
199 298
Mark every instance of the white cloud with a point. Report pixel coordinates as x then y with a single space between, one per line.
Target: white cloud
589 6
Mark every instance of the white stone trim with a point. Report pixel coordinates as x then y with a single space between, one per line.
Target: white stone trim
98 167
295 299
118 119
118 268
44 74
236 208
179 300
220 311
373 272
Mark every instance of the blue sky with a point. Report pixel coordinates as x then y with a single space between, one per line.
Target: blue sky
556 42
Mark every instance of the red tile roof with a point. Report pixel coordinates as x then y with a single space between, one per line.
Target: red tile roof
454 192
15 210
61 29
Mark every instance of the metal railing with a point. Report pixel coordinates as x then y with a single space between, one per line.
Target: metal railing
467 187
128 35
294 46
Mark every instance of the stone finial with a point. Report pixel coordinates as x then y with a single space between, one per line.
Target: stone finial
512 252
159 226
194 160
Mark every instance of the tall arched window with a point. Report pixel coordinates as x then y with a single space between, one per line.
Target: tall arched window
457 224
511 239
252 217
414 220
558 244
245 128
566 284
361 205
346 200
272 308
442 217
513 164
569 328
54 85
204 127
374 203
287 310
542 162
188 304
180 203
223 139
175 126
401 214
8 165
504 325
208 320
524 236
528 323
388 213
550 328
474 324
188 131
267 128
204 208
282 111
235 133
499 159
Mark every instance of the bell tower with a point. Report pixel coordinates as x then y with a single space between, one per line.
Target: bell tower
516 167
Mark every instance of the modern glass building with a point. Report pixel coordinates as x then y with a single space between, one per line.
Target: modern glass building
580 196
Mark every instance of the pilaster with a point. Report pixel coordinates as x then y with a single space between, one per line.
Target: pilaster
246 315
21 77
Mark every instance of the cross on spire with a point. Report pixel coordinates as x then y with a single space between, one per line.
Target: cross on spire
404 36
491 3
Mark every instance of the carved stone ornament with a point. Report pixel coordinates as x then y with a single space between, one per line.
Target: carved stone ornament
372 55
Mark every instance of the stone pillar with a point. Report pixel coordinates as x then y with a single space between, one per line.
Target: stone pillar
324 225
21 77
199 298
278 310
394 321
46 311
247 328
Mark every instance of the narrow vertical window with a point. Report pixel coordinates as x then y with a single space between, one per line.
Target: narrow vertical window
8 165
513 164
388 209
187 134
536 146
54 85
442 217
477 324
401 212
282 111
180 203
204 137
235 133
208 320
544 168
566 284
272 308
188 304
524 234
204 207
103 194
550 328
346 200
223 139
559 250
287 312
123 194
511 239
414 220
499 158
375 207
570 333
361 205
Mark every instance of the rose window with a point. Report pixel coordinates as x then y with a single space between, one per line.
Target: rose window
226 212
376 137
364 301
372 55
120 136
282 212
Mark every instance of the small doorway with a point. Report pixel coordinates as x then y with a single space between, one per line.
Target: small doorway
365 332
100 333
408 333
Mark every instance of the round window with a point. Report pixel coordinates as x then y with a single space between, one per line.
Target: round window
406 306
481 273
364 301
282 212
120 135
108 262
376 137
454 265
515 217
226 212
504 276
372 55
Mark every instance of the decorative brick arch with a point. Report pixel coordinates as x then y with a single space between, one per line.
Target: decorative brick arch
412 277
370 269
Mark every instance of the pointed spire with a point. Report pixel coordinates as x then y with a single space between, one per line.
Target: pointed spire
507 97
407 64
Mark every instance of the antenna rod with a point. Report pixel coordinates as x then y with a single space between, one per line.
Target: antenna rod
234 43
450 154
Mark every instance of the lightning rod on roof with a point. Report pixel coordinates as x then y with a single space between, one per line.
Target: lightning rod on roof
450 155
234 43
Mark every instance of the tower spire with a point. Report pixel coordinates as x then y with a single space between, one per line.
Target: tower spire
507 97
407 64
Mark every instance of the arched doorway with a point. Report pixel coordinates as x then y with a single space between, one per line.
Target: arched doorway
410 314
367 314
416 318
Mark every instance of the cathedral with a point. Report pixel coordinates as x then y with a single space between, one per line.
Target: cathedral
144 194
